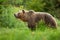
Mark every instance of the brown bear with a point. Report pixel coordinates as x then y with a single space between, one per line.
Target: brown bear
32 18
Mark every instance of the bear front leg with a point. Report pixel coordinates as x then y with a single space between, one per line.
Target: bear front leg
31 23
32 26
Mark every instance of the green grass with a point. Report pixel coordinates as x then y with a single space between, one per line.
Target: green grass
26 34
19 31
18 34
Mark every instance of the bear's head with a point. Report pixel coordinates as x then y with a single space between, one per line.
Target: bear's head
19 14
23 15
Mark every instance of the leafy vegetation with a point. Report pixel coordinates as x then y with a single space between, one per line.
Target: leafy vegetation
13 29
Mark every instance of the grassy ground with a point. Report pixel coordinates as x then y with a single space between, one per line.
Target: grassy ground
21 32
26 34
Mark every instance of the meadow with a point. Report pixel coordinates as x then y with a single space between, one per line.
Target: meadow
15 29
26 34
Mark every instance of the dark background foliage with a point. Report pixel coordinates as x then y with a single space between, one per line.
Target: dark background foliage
9 7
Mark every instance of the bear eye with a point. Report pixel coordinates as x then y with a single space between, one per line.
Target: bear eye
18 14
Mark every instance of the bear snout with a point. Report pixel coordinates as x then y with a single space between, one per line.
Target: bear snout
15 15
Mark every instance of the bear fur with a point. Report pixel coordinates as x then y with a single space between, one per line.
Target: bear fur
32 18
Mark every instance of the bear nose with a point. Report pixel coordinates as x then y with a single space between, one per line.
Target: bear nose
14 14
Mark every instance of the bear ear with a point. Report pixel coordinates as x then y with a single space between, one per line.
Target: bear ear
23 11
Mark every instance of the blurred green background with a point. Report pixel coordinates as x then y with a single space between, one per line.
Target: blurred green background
13 29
